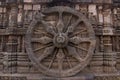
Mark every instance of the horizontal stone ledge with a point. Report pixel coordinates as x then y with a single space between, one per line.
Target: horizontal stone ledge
16 31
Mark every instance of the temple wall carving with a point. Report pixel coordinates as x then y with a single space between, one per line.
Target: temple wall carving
15 20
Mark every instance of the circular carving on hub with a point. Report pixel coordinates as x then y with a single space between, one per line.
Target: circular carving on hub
60 41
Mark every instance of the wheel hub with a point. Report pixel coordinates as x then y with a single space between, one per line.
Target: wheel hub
60 40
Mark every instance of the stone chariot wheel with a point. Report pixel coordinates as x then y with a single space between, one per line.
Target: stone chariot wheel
60 41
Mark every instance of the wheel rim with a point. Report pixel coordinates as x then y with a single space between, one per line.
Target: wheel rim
62 46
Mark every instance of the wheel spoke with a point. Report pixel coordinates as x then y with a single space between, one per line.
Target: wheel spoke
46 53
53 58
83 49
72 52
60 57
43 40
48 45
78 40
39 32
60 24
76 33
76 23
39 15
67 58
48 28
69 20
60 15
72 27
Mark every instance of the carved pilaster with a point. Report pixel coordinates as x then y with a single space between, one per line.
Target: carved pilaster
1 42
116 18
93 15
13 16
5 62
101 44
10 62
12 44
12 59
109 56
20 17
12 40
97 63
100 16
